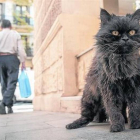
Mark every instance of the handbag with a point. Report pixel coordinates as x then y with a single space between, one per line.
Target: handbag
24 85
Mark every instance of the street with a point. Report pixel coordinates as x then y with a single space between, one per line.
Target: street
40 125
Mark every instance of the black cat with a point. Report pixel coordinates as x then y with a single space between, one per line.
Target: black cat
113 81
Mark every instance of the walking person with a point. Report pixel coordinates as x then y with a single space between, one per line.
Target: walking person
10 48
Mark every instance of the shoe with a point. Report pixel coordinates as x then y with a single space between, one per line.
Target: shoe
2 109
10 110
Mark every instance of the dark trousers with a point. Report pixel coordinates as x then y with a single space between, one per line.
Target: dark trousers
9 69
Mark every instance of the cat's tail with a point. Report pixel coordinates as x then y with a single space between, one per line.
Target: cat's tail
81 122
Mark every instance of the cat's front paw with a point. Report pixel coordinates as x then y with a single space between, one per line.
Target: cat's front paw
72 126
116 128
135 125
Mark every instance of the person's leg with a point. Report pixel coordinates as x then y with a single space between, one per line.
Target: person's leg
12 64
3 78
3 82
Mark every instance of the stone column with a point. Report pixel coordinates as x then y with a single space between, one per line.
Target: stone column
80 23
126 7
112 6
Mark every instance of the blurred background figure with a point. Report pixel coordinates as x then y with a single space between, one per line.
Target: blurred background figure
20 14
10 48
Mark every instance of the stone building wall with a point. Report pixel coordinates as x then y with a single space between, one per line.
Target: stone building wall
64 31
48 55
46 11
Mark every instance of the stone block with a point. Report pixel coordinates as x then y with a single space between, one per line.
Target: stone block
60 43
49 102
52 79
46 58
45 81
87 61
81 74
60 80
55 10
45 29
84 63
71 104
49 15
38 67
38 42
52 102
53 52
81 7
43 12
38 86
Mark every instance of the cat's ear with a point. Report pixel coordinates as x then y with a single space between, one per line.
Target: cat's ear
136 14
104 16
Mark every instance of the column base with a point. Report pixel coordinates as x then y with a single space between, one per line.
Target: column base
56 103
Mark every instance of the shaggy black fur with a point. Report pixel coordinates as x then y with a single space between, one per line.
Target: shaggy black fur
113 81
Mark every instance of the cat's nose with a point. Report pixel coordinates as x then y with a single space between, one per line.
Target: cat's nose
125 39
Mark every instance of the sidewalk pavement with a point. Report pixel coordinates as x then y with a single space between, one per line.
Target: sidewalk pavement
51 126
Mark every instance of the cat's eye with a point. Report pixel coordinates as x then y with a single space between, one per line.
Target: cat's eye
132 32
116 33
